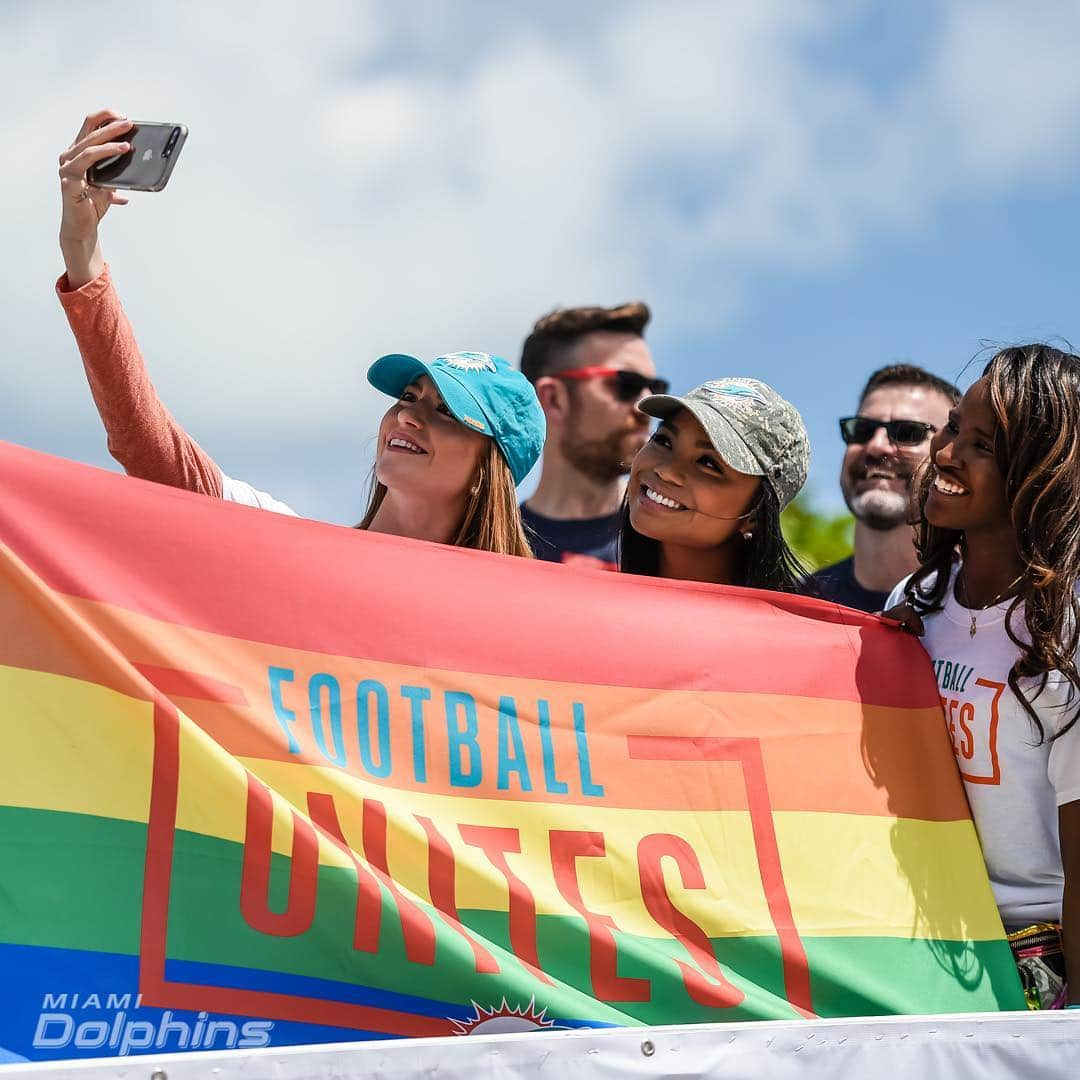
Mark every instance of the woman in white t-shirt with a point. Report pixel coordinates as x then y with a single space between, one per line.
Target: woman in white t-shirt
1000 621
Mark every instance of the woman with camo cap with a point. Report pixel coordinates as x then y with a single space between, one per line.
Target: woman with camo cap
706 491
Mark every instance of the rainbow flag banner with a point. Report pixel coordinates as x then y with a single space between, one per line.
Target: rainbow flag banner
268 781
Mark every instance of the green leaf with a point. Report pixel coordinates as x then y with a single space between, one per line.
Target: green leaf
818 539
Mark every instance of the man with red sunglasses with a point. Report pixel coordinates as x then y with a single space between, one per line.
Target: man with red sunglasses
590 367
887 440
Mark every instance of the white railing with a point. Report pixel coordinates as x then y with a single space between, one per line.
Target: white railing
990 1046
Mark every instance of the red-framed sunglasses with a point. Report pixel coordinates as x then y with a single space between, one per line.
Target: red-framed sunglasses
626 385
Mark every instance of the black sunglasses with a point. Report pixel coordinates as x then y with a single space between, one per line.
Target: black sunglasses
626 385
861 429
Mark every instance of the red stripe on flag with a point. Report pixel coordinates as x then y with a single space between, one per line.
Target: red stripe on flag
191 684
191 560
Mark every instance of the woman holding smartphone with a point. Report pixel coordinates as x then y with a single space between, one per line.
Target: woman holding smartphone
464 431
706 491
995 602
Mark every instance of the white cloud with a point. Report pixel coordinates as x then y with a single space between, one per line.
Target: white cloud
1006 87
361 178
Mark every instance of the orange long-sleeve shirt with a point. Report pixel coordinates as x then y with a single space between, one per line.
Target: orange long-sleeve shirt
143 435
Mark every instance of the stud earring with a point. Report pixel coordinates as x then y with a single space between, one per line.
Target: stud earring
748 535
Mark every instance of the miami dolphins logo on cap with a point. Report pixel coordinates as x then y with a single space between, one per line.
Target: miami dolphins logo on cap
469 361
742 391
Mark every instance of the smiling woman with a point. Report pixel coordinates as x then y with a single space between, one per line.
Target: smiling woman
706 491
996 603
465 430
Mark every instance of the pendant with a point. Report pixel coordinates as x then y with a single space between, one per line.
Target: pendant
971 631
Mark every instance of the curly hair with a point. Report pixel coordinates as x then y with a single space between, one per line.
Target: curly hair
1035 396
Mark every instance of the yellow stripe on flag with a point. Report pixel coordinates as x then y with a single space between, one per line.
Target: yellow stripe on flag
897 878
939 892
74 746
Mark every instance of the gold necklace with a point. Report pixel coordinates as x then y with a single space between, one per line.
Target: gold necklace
962 597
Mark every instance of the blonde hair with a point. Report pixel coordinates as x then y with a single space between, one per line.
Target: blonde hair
492 520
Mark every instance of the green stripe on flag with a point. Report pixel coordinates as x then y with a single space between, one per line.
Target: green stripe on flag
71 881
75 881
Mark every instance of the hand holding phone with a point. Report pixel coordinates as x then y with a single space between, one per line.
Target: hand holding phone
109 151
101 136
148 162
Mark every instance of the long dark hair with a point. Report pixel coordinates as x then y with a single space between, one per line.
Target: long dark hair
770 563
1035 395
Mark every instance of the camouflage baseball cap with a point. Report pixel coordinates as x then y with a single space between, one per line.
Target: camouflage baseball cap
751 426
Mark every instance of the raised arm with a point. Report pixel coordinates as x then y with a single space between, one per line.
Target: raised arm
143 436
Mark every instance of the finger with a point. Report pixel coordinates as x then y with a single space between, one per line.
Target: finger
75 169
95 120
110 132
99 135
902 617
117 200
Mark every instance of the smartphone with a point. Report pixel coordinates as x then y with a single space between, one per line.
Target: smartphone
149 163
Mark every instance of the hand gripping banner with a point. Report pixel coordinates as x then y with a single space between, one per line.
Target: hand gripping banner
268 781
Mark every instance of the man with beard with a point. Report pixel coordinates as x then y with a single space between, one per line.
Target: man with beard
590 367
888 439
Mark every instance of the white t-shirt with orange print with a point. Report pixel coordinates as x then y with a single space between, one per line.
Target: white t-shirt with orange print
1014 783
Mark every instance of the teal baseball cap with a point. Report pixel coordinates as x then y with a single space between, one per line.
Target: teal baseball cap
483 392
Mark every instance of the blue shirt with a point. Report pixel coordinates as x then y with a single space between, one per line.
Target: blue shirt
837 583
574 540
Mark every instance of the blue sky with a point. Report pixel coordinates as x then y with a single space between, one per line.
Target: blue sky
802 191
